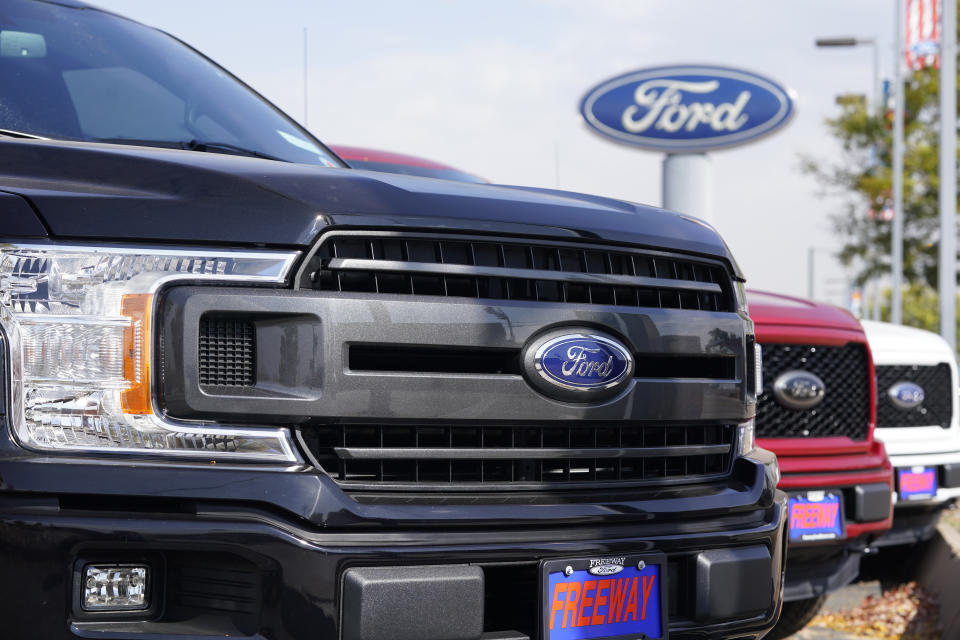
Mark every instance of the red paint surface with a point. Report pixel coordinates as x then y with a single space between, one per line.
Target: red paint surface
822 463
376 155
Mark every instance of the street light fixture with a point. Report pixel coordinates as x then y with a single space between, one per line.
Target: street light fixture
849 41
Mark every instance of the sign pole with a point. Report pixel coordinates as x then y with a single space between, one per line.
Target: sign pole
688 184
948 173
896 231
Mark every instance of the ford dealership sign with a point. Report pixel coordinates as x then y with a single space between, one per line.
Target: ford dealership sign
687 108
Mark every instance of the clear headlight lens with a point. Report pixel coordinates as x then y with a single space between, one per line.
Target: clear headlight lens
741 295
78 321
758 368
746 438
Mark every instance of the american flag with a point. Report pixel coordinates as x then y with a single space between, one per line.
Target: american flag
923 34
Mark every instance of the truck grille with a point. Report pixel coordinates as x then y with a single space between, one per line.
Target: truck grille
937 407
845 410
452 456
479 267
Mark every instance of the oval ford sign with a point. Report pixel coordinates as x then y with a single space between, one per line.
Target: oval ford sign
577 366
687 108
799 390
906 395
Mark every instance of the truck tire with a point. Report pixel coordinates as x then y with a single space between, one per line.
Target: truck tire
795 616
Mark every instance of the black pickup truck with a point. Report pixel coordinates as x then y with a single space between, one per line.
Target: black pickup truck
251 392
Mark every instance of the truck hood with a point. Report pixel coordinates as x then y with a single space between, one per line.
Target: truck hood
116 192
775 309
886 338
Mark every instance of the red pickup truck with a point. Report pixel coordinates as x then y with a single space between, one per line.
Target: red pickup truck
817 412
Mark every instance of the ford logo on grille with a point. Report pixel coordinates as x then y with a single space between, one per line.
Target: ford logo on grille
906 395
799 390
578 367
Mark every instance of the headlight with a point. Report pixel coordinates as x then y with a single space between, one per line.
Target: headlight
79 320
746 440
758 369
740 290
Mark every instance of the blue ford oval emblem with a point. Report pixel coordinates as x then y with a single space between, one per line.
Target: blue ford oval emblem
578 366
906 395
687 108
799 390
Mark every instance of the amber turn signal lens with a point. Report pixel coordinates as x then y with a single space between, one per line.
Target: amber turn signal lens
136 353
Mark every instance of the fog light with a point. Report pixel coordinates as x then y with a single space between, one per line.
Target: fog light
115 587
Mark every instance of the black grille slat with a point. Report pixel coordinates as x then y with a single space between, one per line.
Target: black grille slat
450 456
227 352
937 406
460 266
845 410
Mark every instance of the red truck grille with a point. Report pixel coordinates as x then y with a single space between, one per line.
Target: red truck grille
845 410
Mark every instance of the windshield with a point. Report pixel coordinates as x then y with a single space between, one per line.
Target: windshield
83 74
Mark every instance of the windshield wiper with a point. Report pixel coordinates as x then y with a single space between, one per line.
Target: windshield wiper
194 145
225 147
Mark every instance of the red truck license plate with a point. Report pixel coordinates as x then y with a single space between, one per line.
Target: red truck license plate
609 598
815 516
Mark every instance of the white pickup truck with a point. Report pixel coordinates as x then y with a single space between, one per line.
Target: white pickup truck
917 419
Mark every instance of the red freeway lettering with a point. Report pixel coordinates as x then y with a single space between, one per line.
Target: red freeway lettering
557 605
631 602
647 588
600 600
813 516
916 482
573 594
618 594
627 601
585 603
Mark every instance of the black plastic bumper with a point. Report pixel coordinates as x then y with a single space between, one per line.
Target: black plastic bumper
247 573
245 569
910 526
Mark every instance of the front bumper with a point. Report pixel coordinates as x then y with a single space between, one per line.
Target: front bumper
948 478
865 478
916 520
251 569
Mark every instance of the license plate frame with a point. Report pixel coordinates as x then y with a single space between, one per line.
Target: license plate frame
914 496
821 534
581 573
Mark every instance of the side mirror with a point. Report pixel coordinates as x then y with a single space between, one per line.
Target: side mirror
20 44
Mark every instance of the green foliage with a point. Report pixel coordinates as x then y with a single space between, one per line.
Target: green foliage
920 307
862 175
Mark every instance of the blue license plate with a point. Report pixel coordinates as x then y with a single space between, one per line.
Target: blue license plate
615 597
917 483
816 516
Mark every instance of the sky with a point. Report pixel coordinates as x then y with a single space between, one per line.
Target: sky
493 87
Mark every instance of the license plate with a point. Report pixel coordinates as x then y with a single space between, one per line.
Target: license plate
611 597
815 516
917 483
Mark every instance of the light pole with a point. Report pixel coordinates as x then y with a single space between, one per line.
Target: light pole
948 174
850 41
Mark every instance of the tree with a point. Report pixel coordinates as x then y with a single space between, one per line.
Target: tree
862 175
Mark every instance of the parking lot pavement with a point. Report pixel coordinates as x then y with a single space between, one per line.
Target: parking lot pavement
887 602
846 598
